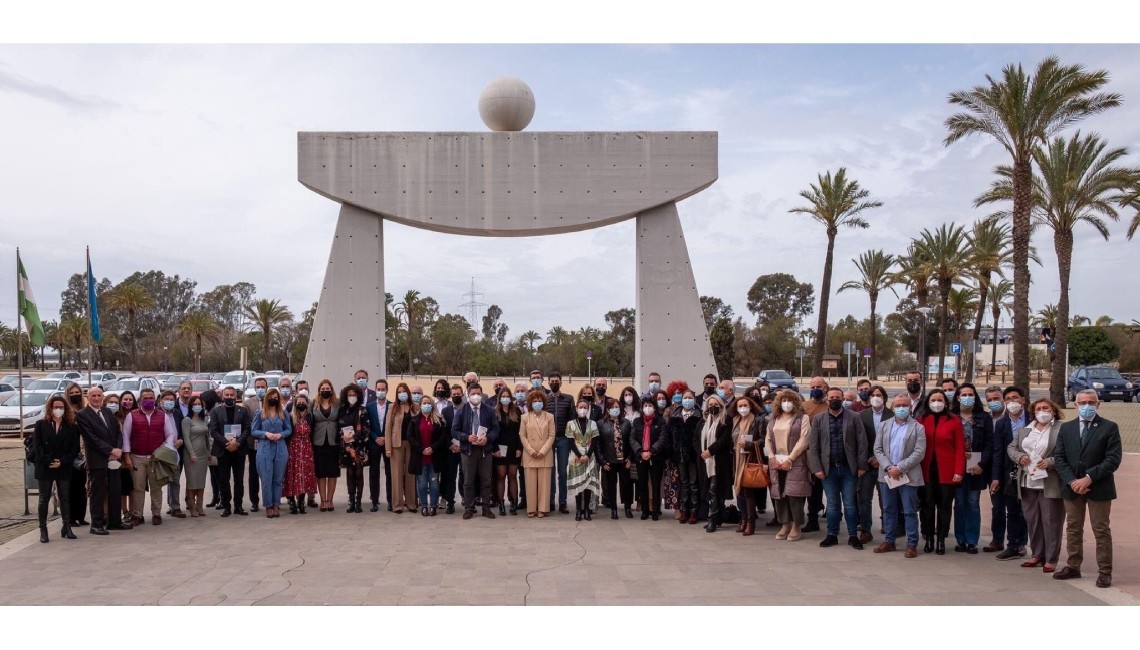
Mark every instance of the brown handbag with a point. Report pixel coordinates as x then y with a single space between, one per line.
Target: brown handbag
755 474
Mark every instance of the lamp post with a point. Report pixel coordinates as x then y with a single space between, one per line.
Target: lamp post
165 359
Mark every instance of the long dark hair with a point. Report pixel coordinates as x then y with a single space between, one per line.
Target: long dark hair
509 412
195 399
636 406
68 410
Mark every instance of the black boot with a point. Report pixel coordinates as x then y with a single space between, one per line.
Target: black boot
940 549
710 526
613 513
929 546
587 515
292 506
629 512
44 538
66 533
351 505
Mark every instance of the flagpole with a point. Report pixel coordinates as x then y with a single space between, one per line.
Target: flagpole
20 373
90 320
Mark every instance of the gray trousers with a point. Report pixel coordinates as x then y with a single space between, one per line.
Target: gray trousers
476 472
790 510
1046 519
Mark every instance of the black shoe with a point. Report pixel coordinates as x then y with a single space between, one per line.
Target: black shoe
66 533
226 512
588 516
928 547
959 547
96 530
830 540
219 506
44 538
577 514
301 506
82 522
644 514
240 511
853 542
292 507
656 516
351 506
940 548
375 507
358 508
120 527
811 527
214 503
313 503
629 512
710 527
450 508
252 508
971 549
613 513
514 509
502 510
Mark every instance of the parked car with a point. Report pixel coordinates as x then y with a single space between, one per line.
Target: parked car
778 379
47 385
237 379
135 385
273 381
199 386
33 411
217 376
6 390
275 372
100 379
1000 363
64 374
171 382
1107 382
15 380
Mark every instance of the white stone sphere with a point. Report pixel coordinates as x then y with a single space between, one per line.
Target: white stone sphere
506 104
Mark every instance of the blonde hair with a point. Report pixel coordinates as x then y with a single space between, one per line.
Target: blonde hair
277 411
788 394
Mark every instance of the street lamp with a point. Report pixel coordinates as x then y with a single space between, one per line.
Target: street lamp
165 359
925 311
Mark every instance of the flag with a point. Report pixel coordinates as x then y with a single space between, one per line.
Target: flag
92 305
27 305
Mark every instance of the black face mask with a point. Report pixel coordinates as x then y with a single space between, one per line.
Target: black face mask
555 386
75 400
229 401
600 390
326 394
588 398
709 390
441 394
457 400
834 404
913 387
301 408
274 402
714 410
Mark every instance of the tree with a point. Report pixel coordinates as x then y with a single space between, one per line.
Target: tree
622 335
1089 346
412 311
836 203
779 296
530 338
991 252
266 316
493 330
1021 112
714 309
557 335
948 259
875 268
200 325
171 298
73 331
722 339
1046 317
132 298
999 298
1103 321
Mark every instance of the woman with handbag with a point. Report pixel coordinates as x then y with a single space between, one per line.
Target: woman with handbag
55 447
749 476
786 440
1032 453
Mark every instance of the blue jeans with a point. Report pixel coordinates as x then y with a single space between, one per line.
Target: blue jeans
967 515
839 485
908 495
427 486
562 459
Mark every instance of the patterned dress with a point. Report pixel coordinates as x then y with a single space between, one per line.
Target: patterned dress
583 476
300 473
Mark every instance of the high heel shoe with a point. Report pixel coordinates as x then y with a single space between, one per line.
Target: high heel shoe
44 538
66 533
928 547
940 547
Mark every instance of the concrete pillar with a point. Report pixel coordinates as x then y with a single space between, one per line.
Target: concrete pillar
671 335
348 330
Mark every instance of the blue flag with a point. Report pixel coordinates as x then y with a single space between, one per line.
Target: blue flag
92 305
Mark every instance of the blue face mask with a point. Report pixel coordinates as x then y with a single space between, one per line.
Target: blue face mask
381 395
768 408
520 396
417 397
403 397
967 401
286 392
536 383
688 402
197 408
1087 411
425 408
720 393
536 406
676 398
614 412
846 403
995 406
902 412
949 396
260 392
113 407
661 404
362 383
654 386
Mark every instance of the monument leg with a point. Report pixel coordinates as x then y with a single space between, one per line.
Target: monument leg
671 335
348 329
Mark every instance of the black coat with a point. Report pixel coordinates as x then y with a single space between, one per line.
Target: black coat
721 450
607 453
685 437
49 445
982 441
440 443
658 438
217 428
1097 459
1001 464
103 435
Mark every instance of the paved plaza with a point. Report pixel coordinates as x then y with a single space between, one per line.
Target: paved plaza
386 559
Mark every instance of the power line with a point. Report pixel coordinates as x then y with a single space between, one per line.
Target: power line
472 305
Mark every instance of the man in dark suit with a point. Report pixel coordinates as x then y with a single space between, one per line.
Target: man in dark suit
104 443
448 483
229 447
1087 454
877 412
378 415
361 380
1007 516
476 428
837 455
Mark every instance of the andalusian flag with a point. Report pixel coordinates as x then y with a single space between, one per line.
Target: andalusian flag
27 305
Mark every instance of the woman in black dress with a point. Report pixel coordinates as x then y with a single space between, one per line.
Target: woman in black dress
78 494
353 426
326 443
55 446
507 464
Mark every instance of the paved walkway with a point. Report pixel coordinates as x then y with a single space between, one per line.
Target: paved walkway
386 559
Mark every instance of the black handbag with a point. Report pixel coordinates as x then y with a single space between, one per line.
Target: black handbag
29 451
1011 489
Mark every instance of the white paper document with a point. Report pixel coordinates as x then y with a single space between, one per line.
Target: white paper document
893 483
233 431
973 459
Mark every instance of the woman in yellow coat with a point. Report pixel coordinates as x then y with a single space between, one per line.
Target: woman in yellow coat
536 432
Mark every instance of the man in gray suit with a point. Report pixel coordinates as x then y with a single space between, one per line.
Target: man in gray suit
900 445
837 455
1087 454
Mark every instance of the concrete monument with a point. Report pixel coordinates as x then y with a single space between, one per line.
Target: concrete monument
507 183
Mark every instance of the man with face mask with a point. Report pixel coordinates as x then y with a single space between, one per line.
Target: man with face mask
654 386
377 418
476 428
949 389
874 415
727 393
914 389
104 441
1005 429
230 428
837 453
709 382
561 406
448 485
815 404
863 393
181 409
360 378
900 446
145 429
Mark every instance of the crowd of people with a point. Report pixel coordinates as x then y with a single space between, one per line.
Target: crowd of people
535 449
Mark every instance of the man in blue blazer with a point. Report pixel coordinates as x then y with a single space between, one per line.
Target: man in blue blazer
378 415
476 428
1007 514
1087 454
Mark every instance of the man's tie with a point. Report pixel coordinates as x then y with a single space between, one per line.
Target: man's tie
1084 432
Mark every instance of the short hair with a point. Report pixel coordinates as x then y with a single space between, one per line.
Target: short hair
381 381
185 382
456 387
535 395
553 374
168 392
863 381
1053 406
831 388
474 386
953 382
229 388
712 377
655 373
1088 391
536 372
882 391
1013 389
359 372
261 379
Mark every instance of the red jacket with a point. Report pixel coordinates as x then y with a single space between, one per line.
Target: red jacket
948 442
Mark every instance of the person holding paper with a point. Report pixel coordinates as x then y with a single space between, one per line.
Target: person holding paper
978 433
272 426
353 427
900 446
508 452
476 427
536 434
786 441
943 468
229 425
1038 487
428 438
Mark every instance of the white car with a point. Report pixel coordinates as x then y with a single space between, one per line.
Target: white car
33 411
273 381
68 374
15 380
47 385
237 379
275 372
100 379
6 390
135 385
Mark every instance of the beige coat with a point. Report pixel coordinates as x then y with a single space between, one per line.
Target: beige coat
536 431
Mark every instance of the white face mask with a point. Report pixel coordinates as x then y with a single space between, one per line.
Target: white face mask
628 399
788 406
877 402
1044 417
937 407
57 413
1014 408
475 399
744 410
352 400
648 411
583 412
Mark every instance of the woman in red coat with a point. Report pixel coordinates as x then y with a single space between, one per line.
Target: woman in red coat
942 469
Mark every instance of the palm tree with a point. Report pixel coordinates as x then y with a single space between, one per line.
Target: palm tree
914 272
999 297
990 248
557 335
835 202
410 312
1104 321
71 331
200 325
1047 317
132 298
875 267
530 338
266 316
963 302
51 337
1080 321
949 259
1021 112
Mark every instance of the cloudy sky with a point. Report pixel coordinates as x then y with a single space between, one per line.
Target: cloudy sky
183 159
